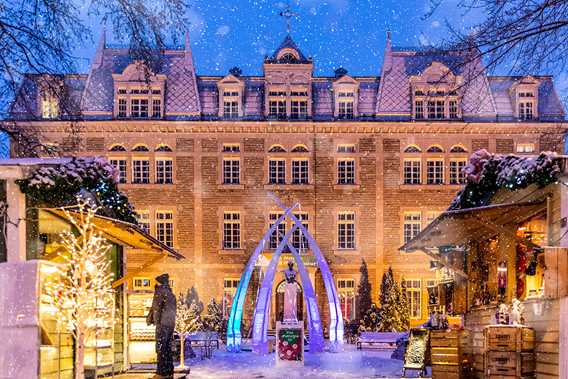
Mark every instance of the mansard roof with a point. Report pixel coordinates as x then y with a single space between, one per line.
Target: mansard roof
382 98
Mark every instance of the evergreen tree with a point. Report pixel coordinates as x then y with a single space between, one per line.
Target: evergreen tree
404 307
392 314
183 315
195 323
371 320
363 292
193 297
213 320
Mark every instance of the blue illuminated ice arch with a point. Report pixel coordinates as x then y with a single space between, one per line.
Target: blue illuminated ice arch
262 309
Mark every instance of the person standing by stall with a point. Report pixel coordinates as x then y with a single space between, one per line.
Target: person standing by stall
163 315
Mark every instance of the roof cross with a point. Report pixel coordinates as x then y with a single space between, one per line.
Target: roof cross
288 14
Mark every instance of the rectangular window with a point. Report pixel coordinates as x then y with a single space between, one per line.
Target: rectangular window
164 171
457 176
165 227
277 109
435 171
120 166
453 109
526 110
143 218
414 296
141 283
231 148
231 230
140 171
412 171
276 171
345 111
346 171
346 148
525 148
231 171
436 109
139 108
280 231
122 108
230 286
156 108
419 110
231 109
49 107
299 240
300 171
299 110
412 225
346 230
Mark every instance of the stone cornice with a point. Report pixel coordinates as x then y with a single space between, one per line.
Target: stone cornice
369 127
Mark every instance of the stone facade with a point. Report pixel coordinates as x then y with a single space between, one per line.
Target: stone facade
379 145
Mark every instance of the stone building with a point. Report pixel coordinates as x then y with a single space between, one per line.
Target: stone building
370 159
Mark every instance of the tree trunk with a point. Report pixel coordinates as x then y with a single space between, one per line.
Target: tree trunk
182 352
80 354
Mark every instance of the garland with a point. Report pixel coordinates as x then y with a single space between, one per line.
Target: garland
487 173
94 178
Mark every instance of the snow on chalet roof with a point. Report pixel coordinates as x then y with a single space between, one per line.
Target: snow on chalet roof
382 98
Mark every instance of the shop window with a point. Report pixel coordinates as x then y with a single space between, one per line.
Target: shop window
231 230
346 230
414 295
412 171
141 283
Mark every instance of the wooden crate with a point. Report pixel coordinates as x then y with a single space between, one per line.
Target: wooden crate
510 364
447 351
509 338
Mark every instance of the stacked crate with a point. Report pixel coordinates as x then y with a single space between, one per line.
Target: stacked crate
447 349
509 352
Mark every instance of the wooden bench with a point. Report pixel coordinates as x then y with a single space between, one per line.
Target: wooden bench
380 340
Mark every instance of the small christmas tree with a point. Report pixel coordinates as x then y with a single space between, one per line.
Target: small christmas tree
363 292
391 312
371 320
404 307
213 320
195 323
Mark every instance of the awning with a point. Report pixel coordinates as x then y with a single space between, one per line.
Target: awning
458 227
124 233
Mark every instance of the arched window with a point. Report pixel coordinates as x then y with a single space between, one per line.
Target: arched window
412 149
276 149
435 149
162 148
140 147
117 147
458 149
288 58
300 149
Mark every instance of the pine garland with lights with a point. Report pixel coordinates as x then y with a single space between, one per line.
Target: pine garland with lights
82 296
487 173
94 178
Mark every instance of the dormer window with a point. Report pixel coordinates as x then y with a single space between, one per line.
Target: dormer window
231 90
435 95
346 91
139 94
524 95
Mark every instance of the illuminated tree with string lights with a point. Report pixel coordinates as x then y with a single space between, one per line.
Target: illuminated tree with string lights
82 296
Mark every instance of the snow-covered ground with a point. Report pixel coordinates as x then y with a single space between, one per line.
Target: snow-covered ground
349 364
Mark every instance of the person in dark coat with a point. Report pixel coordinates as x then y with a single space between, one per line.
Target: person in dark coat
163 315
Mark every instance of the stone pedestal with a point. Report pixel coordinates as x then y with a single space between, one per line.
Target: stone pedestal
290 343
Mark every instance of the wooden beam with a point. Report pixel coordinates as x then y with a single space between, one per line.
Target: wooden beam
444 262
131 274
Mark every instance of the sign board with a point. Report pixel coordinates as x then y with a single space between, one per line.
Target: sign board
290 343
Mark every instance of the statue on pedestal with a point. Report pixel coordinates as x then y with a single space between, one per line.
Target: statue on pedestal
290 295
